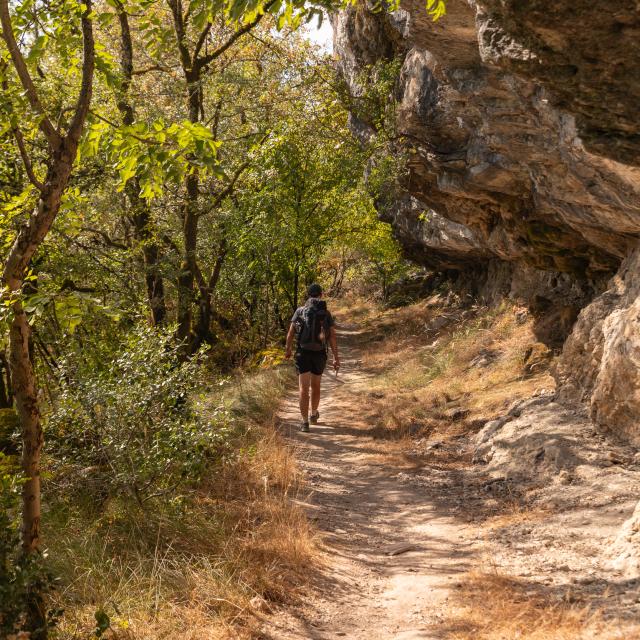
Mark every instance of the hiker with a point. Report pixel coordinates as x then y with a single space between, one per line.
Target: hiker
315 329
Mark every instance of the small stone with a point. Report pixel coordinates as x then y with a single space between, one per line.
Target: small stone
456 413
258 603
397 549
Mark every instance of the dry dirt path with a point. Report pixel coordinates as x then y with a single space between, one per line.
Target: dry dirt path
365 510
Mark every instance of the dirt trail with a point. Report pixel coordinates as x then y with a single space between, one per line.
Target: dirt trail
365 508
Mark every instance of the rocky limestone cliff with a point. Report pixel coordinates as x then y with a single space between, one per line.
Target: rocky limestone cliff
600 362
520 127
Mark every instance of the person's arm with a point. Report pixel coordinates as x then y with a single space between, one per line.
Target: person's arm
290 336
333 343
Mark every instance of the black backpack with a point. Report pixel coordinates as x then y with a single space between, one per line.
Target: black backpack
314 325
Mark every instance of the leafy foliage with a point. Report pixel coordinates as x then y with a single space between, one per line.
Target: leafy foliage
131 426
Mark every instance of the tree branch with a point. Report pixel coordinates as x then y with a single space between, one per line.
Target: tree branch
153 67
201 40
205 61
217 268
228 189
17 134
53 136
26 160
216 118
106 238
86 86
181 36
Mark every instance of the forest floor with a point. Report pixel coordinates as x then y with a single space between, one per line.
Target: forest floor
417 538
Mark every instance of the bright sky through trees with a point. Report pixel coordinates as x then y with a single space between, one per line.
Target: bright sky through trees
322 36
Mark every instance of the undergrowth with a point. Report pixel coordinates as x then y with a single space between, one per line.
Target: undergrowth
190 567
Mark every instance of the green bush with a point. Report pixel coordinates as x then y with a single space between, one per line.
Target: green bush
130 426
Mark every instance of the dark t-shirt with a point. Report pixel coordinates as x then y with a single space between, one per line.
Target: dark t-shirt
297 320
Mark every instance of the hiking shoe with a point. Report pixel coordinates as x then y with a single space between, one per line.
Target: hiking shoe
314 417
304 427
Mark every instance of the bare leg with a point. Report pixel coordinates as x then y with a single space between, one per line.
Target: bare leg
304 380
315 392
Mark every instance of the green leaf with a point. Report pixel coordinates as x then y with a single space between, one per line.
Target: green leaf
103 623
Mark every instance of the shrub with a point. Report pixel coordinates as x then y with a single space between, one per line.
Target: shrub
130 426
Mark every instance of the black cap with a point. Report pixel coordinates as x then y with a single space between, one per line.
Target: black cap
314 290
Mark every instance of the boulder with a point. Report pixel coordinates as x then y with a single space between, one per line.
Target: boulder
600 362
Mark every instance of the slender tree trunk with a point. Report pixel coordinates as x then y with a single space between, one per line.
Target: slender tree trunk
22 374
6 394
203 333
142 218
143 228
154 280
296 285
186 279
32 438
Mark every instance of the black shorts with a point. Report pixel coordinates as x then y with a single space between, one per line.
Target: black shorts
311 361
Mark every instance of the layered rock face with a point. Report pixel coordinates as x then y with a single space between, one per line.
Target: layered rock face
520 126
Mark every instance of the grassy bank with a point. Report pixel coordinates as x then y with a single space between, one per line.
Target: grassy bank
440 369
204 564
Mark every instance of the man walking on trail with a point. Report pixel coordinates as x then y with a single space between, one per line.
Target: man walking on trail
315 329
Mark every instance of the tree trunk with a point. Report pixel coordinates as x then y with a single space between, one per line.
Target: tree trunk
22 374
142 219
296 285
155 281
6 394
150 253
24 385
23 379
186 278
203 333
62 151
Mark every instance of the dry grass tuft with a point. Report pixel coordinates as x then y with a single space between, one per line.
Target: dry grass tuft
489 606
514 511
